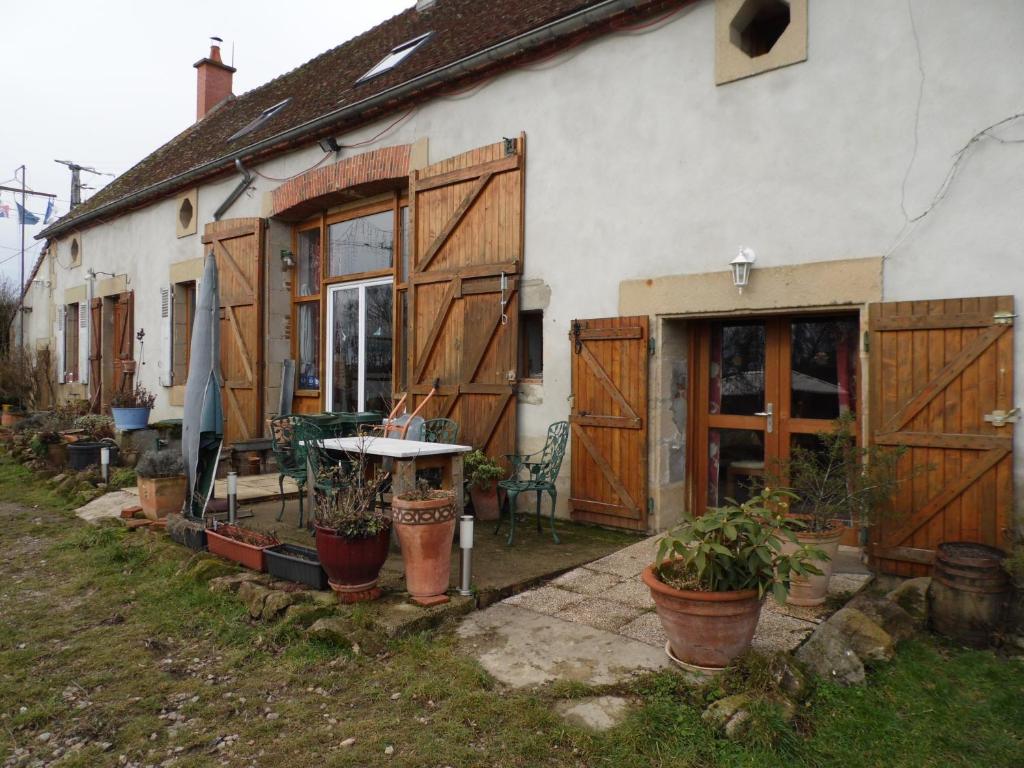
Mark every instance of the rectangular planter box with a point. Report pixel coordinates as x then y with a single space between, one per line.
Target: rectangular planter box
294 563
160 496
186 534
250 555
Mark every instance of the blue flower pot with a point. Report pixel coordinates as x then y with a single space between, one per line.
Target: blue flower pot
130 418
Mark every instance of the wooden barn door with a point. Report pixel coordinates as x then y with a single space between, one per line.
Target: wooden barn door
467 254
96 355
124 342
238 247
609 421
941 374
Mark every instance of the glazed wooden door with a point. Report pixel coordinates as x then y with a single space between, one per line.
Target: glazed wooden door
941 383
124 342
609 421
238 247
467 253
96 355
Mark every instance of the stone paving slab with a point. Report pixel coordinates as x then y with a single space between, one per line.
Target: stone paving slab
520 647
546 599
600 614
587 582
106 506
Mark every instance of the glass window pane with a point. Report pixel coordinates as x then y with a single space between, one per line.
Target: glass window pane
824 367
531 344
378 348
345 354
403 343
406 243
737 368
309 262
735 465
362 245
309 345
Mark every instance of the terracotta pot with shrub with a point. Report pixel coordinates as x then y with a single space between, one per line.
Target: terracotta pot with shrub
482 476
162 486
711 576
352 530
833 482
425 523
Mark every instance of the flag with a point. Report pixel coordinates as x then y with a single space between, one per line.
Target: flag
49 211
5 211
26 217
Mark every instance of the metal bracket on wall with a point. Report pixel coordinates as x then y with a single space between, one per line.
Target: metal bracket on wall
1003 318
577 342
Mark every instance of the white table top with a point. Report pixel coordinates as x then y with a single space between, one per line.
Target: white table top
392 447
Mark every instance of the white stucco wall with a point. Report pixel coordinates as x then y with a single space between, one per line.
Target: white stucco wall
639 166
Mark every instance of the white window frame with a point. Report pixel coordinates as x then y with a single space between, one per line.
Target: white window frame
395 56
360 286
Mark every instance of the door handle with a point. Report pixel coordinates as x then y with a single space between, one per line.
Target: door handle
768 413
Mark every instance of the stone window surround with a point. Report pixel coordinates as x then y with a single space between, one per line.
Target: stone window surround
733 64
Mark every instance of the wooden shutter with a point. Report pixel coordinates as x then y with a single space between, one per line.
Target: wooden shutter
84 339
609 421
166 363
467 254
95 343
62 345
939 370
124 342
238 247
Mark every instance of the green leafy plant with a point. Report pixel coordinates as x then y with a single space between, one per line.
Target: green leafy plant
734 548
481 470
139 397
163 463
350 508
96 427
839 480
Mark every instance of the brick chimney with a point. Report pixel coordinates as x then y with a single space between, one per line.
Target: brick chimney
213 80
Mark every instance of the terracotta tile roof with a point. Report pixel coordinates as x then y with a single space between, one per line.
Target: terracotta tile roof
459 28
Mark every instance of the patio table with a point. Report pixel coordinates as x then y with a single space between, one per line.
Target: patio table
405 457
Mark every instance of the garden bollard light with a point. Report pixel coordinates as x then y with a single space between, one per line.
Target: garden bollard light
105 464
232 496
466 544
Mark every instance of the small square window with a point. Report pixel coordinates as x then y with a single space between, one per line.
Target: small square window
531 345
397 55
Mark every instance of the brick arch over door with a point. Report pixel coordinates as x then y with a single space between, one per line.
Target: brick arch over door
368 172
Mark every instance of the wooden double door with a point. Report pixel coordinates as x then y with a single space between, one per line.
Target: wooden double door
763 385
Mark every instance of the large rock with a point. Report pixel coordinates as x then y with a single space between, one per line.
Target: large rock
719 714
331 629
233 582
912 597
733 715
868 640
253 595
828 654
209 568
275 603
598 713
887 614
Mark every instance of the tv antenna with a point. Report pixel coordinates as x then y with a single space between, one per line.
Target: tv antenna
76 179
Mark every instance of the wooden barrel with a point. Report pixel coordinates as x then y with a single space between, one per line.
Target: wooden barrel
968 592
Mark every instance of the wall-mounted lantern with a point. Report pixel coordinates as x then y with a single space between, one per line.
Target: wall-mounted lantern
741 267
287 259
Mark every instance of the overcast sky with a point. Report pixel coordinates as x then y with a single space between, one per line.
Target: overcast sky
105 82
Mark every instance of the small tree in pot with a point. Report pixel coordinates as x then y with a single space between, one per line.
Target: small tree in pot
712 573
425 523
161 477
352 530
834 482
482 476
131 409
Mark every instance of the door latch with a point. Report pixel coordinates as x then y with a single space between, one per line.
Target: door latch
1002 418
769 414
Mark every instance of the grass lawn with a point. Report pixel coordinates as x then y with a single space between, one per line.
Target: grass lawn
104 644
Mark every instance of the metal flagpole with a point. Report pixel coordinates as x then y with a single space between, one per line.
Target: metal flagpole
21 284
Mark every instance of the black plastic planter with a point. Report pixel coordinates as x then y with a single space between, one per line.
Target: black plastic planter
189 533
82 455
293 563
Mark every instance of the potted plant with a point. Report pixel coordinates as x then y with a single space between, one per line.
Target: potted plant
243 546
131 408
835 481
712 573
424 520
161 476
482 476
352 530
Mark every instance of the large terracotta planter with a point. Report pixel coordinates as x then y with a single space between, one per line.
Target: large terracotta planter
705 629
10 418
485 501
160 496
352 565
425 531
812 590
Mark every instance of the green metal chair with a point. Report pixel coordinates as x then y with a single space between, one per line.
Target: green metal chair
326 478
290 456
440 431
536 472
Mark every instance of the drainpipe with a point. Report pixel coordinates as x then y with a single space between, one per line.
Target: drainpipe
236 192
565 26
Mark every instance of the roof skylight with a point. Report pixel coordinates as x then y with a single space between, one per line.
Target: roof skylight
397 55
265 115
